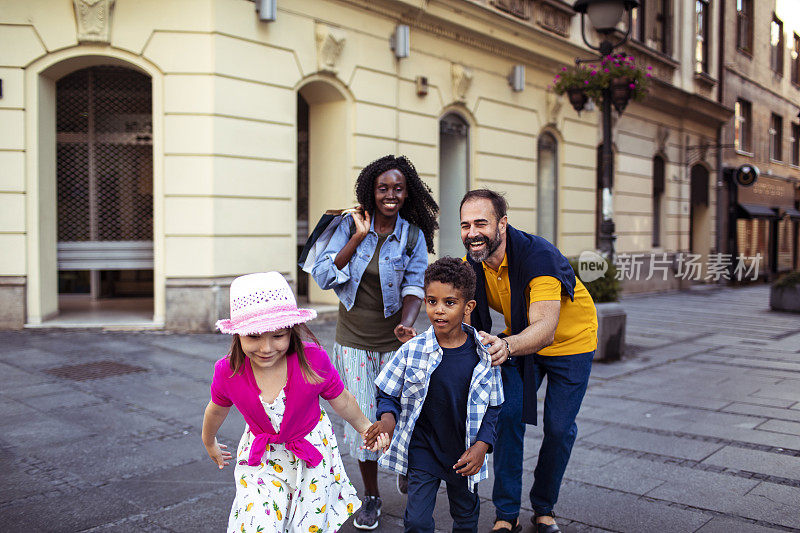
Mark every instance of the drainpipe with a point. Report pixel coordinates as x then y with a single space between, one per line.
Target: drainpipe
721 213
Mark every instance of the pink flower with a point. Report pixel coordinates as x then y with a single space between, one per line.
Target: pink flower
586 82
594 73
649 67
557 76
649 75
605 70
632 85
563 69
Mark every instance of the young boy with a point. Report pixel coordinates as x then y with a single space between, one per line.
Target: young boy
432 385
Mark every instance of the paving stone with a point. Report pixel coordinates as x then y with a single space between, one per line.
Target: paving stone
171 486
772 493
728 525
43 430
771 464
114 418
781 426
14 378
68 513
778 392
755 507
66 400
624 512
206 513
660 444
763 411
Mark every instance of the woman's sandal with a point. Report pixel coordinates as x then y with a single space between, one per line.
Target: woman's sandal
544 528
516 528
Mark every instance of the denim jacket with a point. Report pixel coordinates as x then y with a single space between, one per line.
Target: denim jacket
400 274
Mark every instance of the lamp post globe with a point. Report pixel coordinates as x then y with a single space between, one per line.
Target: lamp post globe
604 14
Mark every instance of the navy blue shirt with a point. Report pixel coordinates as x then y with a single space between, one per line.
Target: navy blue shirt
440 431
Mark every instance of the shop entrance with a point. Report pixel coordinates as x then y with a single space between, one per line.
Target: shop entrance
104 172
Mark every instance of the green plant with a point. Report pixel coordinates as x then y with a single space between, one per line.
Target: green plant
593 78
577 77
622 66
787 281
604 289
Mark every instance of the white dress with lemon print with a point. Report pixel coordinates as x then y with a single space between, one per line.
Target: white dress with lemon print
283 494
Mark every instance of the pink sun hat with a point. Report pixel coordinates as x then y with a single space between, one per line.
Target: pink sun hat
262 302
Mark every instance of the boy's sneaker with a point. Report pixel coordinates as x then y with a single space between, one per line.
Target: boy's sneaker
367 516
402 483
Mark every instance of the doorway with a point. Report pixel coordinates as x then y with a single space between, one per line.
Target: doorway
104 193
453 181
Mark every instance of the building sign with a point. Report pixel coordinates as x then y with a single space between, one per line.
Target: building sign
769 192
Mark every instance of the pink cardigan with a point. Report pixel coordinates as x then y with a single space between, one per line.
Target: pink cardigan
302 402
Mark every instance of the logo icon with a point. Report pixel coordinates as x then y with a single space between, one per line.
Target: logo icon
591 266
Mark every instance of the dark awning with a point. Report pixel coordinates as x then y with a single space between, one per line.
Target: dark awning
790 212
755 211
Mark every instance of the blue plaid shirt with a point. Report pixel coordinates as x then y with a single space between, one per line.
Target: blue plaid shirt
407 376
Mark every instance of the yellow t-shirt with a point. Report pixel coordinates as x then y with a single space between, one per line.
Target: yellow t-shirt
577 324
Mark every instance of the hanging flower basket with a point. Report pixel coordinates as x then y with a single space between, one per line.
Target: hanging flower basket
577 97
618 74
621 90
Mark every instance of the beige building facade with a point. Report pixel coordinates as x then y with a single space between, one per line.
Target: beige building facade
762 85
156 149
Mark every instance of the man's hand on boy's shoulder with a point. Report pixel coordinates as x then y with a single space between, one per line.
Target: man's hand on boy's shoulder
471 460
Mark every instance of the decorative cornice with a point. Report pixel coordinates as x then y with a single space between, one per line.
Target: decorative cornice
670 99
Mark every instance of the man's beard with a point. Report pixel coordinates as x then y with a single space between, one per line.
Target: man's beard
491 245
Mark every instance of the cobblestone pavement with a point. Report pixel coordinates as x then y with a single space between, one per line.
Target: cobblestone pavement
697 429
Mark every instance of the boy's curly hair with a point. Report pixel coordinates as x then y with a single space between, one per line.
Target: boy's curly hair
455 272
419 207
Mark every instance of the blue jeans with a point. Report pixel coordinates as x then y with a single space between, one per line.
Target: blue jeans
567 378
465 506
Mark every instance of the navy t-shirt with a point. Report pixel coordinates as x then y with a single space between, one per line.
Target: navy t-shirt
439 435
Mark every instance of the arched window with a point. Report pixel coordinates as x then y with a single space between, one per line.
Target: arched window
658 195
547 188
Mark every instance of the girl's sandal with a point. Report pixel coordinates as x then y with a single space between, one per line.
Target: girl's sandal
516 528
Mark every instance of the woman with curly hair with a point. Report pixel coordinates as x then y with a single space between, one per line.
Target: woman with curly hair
376 264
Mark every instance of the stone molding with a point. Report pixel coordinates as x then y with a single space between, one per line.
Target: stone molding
462 79
330 42
93 18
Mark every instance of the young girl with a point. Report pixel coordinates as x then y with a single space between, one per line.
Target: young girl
289 474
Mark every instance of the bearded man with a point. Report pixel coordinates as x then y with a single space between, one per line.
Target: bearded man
551 330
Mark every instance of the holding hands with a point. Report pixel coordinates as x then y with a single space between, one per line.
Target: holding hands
379 435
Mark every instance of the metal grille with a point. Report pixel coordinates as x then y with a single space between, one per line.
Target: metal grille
104 156
96 370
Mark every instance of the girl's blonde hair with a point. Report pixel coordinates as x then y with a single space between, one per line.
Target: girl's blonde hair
297 334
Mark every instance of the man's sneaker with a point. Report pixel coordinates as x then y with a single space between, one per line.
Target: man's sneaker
367 515
402 483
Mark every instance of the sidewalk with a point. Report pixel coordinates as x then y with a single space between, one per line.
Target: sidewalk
697 429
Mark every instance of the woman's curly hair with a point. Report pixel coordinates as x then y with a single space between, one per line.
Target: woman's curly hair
419 207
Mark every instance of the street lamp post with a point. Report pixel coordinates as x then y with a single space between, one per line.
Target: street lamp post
604 16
